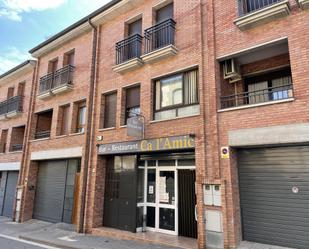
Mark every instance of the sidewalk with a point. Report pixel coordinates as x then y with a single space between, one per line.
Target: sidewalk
62 236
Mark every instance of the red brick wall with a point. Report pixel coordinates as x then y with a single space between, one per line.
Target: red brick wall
229 39
188 41
80 91
20 120
205 31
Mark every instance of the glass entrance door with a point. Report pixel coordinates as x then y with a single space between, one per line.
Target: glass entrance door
166 203
158 196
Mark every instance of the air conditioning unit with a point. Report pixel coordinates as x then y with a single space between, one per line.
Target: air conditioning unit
231 70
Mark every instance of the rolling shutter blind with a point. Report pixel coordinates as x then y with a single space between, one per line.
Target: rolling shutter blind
133 97
110 110
165 13
135 27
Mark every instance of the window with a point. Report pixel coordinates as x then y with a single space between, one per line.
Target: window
63 120
17 138
132 102
21 89
177 96
3 141
269 87
165 13
10 92
53 66
110 110
81 117
135 28
43 125
68 58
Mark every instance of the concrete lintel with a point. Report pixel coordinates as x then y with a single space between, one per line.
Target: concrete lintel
57 154
282 134
10 166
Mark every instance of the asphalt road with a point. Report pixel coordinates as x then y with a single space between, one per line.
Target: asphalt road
7 243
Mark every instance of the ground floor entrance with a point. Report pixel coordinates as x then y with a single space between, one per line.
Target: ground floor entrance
57 185
274 195
151 193
8 183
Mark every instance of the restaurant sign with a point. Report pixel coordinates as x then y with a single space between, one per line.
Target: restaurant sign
148 145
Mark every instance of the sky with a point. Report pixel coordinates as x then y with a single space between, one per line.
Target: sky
26 23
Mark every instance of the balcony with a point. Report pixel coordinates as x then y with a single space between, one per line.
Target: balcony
256 77
128 54
11 108
258 97
160 41
256 12
304 4
58 82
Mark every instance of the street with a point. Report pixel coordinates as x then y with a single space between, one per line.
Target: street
7 242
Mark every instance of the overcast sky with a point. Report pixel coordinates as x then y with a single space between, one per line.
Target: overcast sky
26 23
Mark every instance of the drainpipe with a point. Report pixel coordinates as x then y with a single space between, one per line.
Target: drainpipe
89 131
24 167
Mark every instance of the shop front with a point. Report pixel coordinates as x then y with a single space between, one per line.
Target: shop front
150 186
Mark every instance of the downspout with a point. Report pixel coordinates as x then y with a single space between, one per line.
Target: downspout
24 168
81 227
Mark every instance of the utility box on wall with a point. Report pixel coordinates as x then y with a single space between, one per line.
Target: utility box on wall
214 229
212 195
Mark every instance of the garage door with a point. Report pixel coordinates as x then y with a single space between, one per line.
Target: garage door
274 193
9 193
49 199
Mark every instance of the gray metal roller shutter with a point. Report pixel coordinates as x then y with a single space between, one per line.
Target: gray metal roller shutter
9 195
271 212
49 199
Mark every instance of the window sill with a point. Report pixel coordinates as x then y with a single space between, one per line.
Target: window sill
108 129
123 126
264 15
256 105
304 4
39 140
15 152
164 120
61 136
76 134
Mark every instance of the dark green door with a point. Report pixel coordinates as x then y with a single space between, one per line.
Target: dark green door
187 224
120 193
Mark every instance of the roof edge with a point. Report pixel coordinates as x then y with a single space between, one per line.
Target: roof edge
33 62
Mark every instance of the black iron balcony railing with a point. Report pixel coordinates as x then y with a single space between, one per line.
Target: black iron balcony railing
160 35
56 79
129 48
42 134
14 104
248 6
17 147
257 97
46 83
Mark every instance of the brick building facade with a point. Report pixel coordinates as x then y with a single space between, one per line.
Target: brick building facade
215 94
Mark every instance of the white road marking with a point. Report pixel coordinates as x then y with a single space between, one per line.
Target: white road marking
27 242
67 238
